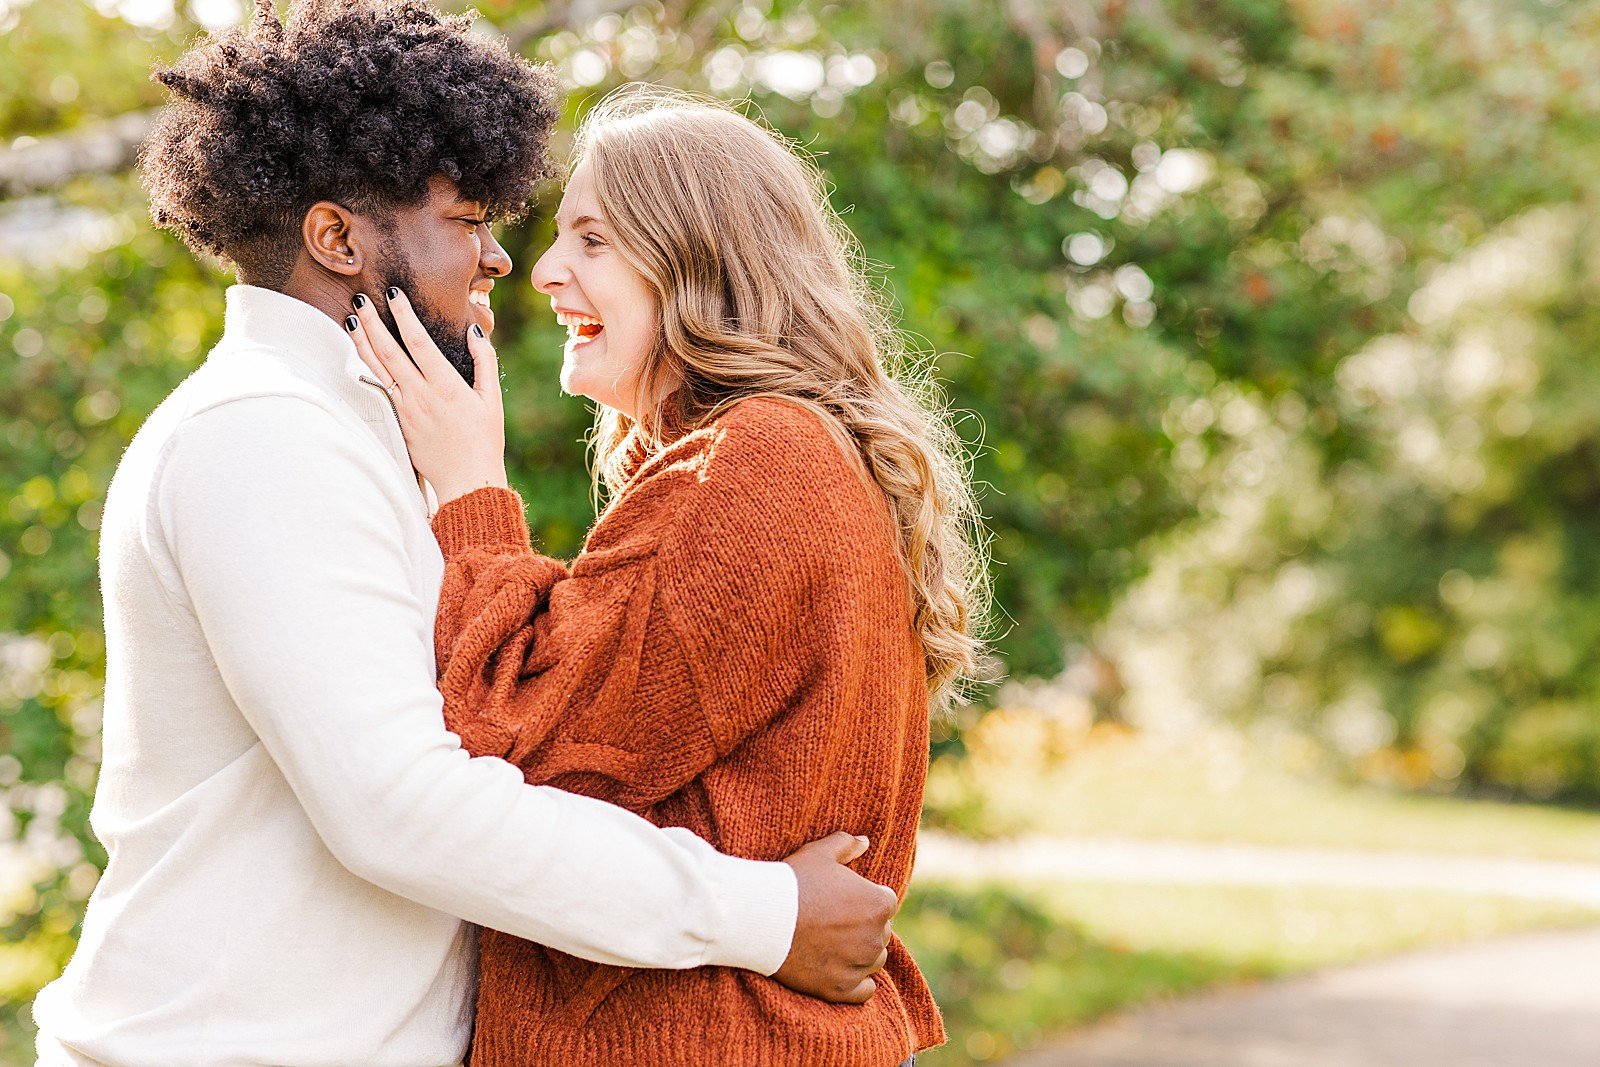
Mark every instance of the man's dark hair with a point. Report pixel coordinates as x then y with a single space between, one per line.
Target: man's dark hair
355 101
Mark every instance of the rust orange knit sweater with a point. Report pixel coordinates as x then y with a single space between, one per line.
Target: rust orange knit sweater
733 652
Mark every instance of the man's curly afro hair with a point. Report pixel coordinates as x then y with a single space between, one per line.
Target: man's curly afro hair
359 102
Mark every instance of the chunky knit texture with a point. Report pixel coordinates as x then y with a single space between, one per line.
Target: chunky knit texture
733 653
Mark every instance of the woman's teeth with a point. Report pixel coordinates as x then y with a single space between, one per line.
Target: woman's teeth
580 328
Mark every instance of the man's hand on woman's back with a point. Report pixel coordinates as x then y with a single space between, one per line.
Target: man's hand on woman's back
841 936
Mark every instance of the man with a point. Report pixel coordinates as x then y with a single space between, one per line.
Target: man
294 840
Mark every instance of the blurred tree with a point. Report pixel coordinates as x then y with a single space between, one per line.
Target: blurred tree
1392 538
1430 606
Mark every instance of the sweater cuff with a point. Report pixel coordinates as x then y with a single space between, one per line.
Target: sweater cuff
483 518
761 903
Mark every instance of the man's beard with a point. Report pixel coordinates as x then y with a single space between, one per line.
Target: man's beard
451 341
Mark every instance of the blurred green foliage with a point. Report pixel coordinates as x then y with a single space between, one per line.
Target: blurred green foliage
1163 252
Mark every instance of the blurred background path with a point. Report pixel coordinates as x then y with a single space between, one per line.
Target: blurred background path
1100 859
1528 999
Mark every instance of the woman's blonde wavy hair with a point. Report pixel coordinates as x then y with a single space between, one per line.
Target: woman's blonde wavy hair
761 294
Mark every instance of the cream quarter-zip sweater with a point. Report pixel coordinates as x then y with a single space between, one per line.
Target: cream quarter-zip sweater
294 837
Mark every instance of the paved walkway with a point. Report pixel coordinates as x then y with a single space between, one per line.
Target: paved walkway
1102 859
1532 1000
1527 1001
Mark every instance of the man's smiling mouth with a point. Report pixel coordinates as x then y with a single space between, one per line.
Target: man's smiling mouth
479 299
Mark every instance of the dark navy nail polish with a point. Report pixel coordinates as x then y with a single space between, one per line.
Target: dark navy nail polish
393 292
359 300
350 322
477 329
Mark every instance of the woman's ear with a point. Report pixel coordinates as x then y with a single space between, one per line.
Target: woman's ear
329 234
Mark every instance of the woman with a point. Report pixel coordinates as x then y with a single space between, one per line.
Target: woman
784 581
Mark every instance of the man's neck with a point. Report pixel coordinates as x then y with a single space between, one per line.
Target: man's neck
327 292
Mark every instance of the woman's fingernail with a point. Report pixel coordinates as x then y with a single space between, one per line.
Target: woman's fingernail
351 322
359 300
477 329
393 292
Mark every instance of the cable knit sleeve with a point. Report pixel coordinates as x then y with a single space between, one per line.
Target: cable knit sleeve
491 604
569 674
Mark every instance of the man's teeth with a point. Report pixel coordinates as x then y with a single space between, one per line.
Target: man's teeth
478 296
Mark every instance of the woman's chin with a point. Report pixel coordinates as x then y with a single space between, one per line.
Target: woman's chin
574 382
597 392
591 379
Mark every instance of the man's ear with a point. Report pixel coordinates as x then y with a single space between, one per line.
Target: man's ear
334 238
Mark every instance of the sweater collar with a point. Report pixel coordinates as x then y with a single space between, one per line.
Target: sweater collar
317 349
299 334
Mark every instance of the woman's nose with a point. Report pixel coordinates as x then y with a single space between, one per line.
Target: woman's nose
548 274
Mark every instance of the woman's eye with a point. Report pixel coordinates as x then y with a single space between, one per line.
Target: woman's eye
591 241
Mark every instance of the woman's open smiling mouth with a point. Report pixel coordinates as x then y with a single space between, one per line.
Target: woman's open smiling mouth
581 329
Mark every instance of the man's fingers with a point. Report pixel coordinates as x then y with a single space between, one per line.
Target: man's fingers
861 993
417 340
844 846
839 846
843 922
891 904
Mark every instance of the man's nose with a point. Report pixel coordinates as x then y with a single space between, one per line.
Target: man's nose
495 260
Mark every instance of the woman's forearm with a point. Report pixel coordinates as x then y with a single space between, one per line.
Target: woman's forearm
493 596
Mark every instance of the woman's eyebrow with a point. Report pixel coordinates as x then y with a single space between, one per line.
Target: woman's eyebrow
581 220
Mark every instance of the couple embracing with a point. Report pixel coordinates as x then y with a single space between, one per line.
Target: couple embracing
352 715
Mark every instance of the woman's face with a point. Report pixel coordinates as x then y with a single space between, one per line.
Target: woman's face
611 315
